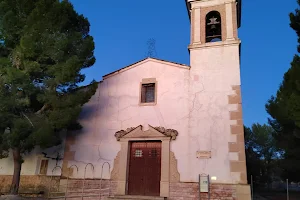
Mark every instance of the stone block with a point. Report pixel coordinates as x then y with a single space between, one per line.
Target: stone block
237 129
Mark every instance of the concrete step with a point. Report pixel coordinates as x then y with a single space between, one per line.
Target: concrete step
133 197
57 194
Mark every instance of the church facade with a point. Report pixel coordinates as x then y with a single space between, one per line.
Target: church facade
152 128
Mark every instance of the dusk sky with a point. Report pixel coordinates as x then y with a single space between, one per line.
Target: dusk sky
121 29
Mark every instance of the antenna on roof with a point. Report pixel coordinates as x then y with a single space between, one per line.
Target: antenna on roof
151 43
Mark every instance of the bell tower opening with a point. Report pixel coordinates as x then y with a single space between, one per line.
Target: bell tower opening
214 22
213 27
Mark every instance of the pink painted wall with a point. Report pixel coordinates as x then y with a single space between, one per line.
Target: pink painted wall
192 101
115 106
217 69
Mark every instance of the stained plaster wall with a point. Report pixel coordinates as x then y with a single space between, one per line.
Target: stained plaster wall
115 106
32 161
192 101
214 71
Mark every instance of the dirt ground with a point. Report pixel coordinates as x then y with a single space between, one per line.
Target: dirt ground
281 196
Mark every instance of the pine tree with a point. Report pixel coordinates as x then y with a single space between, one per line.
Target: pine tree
261 153
284 109
44 45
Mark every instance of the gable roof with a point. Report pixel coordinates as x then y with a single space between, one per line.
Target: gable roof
144 61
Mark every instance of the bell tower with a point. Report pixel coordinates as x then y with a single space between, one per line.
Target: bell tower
215 91
214 21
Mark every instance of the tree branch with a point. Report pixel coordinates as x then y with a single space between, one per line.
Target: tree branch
28 119
42 109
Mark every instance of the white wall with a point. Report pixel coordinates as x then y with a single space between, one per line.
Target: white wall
31 165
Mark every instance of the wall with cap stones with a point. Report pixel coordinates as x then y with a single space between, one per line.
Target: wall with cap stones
34 184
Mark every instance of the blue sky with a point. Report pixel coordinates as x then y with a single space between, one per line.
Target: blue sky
121 29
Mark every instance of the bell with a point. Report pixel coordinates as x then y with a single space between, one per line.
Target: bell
213 26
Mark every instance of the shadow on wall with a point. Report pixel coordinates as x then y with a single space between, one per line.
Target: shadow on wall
90 110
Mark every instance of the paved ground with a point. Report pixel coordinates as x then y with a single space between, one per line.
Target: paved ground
258 197
279 196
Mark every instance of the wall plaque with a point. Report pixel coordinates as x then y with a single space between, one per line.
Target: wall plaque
203 154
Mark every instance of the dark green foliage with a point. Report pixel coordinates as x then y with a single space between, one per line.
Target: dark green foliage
44 45
252 158
261 154
284 109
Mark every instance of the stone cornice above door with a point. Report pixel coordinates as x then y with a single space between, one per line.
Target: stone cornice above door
152 132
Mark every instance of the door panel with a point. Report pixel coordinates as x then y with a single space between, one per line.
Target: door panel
144 168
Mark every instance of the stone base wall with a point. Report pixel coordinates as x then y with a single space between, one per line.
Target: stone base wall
29 184
178 191
190 191
35 184
90 187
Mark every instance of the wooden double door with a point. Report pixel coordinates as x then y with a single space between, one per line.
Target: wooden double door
144 168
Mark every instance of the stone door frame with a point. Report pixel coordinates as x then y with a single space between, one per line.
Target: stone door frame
137 134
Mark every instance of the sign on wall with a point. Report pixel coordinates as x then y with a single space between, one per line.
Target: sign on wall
203 154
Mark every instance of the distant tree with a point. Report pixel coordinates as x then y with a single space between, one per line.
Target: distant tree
252 158
284 108
261 153
44 45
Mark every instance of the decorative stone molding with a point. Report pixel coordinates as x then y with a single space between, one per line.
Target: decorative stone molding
115 171
167 132
174 174
136 132
122 133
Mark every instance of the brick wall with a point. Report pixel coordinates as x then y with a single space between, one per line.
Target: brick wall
190 191
29 184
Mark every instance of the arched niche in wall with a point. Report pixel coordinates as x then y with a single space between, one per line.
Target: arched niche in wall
213 27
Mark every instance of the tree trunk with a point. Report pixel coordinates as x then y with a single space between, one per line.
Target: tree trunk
14 188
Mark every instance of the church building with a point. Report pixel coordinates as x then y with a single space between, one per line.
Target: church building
156 129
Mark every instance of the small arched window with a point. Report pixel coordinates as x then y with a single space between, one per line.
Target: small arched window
213 27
